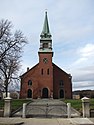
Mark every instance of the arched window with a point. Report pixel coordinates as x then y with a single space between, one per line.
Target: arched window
47 71
29 82
42 71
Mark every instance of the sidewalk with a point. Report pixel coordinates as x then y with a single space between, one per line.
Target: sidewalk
54 121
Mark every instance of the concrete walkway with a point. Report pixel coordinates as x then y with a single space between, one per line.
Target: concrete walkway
54 121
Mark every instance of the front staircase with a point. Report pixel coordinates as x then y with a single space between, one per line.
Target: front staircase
47 108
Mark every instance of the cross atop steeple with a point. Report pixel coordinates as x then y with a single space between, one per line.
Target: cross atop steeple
45 32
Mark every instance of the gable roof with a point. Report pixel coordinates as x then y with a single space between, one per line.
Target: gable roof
29 70
54 65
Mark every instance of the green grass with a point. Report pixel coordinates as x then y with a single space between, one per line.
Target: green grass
1 104
17 103
77 104
74 103
91 103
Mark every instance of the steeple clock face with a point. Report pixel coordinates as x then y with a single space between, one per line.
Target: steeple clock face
45 60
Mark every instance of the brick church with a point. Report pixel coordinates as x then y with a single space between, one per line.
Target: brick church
46 79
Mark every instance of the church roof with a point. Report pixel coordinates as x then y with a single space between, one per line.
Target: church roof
54 65
29 70
45 32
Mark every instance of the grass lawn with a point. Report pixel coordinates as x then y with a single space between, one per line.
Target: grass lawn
77 104
1 104
17 103
91 103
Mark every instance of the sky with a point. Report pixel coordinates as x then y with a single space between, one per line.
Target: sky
71 24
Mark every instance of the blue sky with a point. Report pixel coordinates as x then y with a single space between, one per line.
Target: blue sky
72 27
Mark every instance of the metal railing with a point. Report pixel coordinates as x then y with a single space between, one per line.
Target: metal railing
46 110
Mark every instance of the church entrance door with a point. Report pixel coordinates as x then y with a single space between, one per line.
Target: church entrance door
45 93
29 93
61 93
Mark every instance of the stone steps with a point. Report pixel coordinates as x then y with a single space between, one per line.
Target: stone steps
47 108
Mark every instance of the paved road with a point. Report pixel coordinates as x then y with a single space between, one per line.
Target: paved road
39 121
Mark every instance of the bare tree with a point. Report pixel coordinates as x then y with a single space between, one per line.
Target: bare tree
10 53
8 40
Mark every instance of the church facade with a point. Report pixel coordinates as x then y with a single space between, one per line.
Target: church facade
46 79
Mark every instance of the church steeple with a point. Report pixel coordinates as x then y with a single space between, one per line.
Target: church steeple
45 32
45 40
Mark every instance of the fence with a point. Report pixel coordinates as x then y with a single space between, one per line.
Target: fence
44 110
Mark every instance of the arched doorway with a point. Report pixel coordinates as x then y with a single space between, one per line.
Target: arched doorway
29 93
45 93
61 93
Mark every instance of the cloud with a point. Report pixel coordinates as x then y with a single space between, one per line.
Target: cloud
87 51
84 55
83 76
83 85
72 28
82 68
73 21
